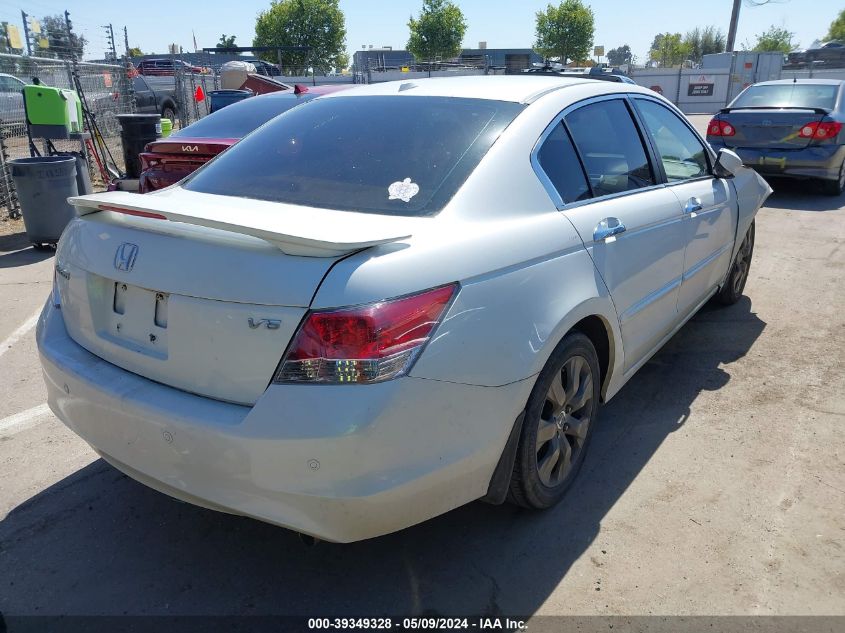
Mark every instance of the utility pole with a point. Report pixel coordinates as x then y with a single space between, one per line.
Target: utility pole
729 45
126 40
69 27
110 39
26 32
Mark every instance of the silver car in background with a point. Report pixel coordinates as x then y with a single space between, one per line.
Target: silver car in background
393 300
788 129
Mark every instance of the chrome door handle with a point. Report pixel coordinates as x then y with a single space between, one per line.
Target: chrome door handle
608 228
693 205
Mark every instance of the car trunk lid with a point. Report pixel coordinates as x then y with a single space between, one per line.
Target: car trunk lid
774 128
189 303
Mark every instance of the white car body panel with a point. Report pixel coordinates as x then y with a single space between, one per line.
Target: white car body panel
346 462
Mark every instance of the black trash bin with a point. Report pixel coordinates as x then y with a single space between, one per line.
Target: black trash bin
136 130
44 184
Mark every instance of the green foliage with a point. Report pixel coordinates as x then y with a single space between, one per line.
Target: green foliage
620 55
774 39
565 31
837 28
226 41
62 46
135 52
706 41
669 49
319 24
438 32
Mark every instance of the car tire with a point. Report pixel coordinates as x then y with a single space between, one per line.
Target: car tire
835 187
168 112
732 289
558 424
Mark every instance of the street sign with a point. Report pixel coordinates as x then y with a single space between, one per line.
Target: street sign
701 86
598 51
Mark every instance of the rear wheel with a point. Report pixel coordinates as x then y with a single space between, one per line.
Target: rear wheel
168 112
558 424
835 187
738 275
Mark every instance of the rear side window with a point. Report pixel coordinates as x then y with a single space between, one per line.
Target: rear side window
790 95
239 119
610 147
392 154
682 154
560 163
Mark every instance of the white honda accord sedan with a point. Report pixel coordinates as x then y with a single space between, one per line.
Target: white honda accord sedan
393 300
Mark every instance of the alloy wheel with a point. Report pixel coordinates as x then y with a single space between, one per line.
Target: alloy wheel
742 262
564 421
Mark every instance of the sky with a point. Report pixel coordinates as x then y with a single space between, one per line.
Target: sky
153 24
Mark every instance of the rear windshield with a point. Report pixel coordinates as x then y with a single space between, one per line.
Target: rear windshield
396 155
239 119
788 96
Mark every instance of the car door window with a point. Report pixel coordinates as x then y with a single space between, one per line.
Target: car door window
610 147
682 154
7 84
559 161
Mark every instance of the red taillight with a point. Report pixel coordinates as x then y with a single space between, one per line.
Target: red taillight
820 130
366 344
125 211
717 127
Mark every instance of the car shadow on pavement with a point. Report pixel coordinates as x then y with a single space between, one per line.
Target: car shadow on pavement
99 543
15 250
801 195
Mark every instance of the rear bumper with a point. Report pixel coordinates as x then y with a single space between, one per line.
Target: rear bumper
822 161
341 463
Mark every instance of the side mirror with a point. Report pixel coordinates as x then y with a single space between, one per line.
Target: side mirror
727 164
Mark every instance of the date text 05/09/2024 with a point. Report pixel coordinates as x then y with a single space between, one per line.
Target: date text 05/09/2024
414 624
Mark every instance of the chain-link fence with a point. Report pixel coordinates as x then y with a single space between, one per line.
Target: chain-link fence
105 88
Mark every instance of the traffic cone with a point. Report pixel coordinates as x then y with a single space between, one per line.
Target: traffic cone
199 95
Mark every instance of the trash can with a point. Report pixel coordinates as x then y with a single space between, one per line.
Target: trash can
222 98
136 130
44 184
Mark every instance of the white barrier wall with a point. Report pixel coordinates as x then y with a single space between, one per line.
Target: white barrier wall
835 73
693 91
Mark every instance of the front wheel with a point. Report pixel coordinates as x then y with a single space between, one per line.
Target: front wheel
558 424
169 113
738 275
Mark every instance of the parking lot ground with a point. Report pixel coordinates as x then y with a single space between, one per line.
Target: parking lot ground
715 484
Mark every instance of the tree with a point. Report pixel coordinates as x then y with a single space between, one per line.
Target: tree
318 24
135 52
669 49
226 41
438 32
837 28
619 56
774 39
706 41
60 43
565 31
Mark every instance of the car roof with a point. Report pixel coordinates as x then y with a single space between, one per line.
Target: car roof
516 88
779 82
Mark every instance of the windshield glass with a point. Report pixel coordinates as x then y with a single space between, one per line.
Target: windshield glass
241 118
397 155
788 96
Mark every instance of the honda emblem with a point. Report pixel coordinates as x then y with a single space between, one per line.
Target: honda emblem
124 257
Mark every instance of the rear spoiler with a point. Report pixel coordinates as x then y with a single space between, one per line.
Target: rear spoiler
814 110
294 230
